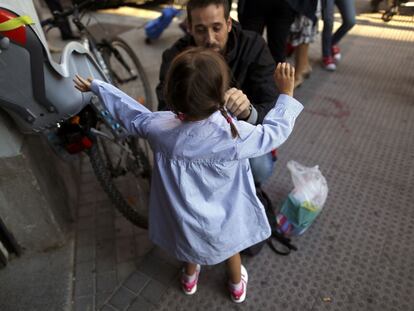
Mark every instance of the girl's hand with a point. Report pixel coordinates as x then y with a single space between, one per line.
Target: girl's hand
285 78
83 85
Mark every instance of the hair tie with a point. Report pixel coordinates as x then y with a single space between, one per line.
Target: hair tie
181 116
229 119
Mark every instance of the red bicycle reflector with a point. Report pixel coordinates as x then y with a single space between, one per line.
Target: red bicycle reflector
79 146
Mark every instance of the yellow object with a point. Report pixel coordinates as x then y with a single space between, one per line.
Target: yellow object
16 22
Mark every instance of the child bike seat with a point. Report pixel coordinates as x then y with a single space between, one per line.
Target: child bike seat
34 89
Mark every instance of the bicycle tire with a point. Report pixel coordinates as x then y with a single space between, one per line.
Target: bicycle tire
106 158
104 177
135 88
139 86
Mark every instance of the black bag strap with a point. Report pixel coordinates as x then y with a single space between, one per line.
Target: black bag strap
284 245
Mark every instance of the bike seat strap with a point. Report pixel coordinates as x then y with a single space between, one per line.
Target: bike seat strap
16 22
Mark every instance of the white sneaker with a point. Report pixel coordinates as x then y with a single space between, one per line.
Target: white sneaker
189 288
240 295
336 53
328 63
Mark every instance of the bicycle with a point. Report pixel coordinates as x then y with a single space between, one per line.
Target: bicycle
120 162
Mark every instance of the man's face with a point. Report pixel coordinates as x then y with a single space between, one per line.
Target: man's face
210 28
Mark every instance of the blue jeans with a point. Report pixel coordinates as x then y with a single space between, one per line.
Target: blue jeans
262 168
347 10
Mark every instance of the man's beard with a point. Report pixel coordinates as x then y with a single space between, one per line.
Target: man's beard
216 48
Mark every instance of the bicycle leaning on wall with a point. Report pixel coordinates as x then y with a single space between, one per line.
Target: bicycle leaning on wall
39 95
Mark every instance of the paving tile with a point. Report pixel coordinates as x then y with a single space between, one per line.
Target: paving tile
105 264
85 223
84 269
102 297
140 304
122 298
163 256
143 244
124 269
84 287
109 308
136 282
105 219
153 291
123 227
84 303
85 253
105 248
91 187
86 210
106 281
105 233
158 269
125 249
104 206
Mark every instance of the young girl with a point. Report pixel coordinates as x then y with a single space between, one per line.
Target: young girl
203 205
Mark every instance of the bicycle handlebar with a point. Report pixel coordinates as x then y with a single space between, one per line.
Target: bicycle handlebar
65 13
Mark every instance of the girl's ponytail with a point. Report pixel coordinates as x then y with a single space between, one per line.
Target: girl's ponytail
234 132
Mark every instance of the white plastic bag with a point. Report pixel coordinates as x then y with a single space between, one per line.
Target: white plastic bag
305 201
309 184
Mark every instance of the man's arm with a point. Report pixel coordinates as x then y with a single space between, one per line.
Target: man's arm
166 62
259 84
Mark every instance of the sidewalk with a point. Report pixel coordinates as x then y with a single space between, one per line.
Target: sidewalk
357 125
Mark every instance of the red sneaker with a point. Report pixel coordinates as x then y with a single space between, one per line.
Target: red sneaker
336 53
328 63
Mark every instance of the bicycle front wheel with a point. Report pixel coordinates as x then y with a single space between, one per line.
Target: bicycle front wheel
127 72
124 173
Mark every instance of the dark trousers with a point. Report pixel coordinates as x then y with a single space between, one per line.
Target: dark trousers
276 16
64 27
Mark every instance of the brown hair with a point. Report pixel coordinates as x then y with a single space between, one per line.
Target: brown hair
197 4
195 85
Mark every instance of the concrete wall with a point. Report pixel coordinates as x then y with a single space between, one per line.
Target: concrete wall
38 190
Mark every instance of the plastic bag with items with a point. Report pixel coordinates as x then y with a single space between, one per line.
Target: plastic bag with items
305 202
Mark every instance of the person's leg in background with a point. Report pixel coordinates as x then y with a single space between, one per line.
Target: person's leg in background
302 66
347 10
328 7
278 18
64 27
251 16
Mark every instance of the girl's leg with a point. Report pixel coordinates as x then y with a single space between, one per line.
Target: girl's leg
238 279
347 10
328 7
234 268
189 278
190 268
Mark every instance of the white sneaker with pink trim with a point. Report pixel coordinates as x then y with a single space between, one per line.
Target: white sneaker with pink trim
189 288
239 296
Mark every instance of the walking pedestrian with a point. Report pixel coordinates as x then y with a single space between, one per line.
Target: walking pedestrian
331 53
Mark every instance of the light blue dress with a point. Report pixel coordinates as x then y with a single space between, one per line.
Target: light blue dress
203 205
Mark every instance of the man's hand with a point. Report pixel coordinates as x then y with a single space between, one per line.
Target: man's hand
237 103
83 85
285 78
